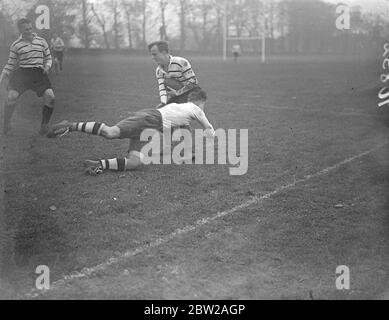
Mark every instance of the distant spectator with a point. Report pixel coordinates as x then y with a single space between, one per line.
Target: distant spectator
58 48
236 51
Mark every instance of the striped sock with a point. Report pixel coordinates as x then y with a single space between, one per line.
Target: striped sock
117 164
88 127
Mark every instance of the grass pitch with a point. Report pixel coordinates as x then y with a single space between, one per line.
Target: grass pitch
303 115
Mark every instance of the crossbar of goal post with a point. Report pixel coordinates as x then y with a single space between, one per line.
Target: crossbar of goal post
224 9
263 42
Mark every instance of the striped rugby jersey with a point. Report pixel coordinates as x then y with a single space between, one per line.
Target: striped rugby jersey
26 54
179 69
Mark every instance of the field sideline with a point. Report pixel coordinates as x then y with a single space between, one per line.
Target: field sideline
303 115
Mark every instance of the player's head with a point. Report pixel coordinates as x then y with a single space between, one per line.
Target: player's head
55 35
25 27
198 97
159 51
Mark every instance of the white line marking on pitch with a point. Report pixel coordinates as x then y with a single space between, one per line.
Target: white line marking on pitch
85 272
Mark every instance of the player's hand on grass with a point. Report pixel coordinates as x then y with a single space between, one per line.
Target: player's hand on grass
209 133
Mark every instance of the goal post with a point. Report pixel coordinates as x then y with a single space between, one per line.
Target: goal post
226 38
261 39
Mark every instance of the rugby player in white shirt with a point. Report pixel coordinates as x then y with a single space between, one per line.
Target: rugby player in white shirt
170 116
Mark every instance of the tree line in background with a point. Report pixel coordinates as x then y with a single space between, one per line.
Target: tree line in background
290 26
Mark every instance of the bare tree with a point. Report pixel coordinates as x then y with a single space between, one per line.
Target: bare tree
9 10
143 6
63 14
162 29
129 8
271 23
238 16
183 8
219 25
193 23
103 25
282 23
85 24
202 21
114 6
205 10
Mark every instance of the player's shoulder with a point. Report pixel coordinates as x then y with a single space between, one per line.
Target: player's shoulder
193 107
181 61
179 106
16 42
40 39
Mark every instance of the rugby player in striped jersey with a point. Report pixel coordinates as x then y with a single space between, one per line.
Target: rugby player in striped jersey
27 69
172 67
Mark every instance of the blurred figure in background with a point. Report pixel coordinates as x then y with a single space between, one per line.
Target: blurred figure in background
236 51
58 48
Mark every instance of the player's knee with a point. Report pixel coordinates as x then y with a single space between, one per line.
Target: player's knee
12 97
49 98
110 132
134 160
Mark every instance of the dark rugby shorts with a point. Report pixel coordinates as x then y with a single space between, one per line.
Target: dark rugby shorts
133 126
34 79
58 55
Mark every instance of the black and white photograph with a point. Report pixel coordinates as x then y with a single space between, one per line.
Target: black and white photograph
209 151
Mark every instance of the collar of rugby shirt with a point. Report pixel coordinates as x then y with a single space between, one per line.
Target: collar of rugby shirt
168 65
170 61
34 35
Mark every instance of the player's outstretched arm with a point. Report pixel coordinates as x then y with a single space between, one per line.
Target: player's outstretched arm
207 126
47 59
161 86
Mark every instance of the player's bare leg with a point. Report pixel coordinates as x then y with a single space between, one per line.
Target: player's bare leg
47 111
9 109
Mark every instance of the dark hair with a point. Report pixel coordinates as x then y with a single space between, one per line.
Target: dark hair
197 94
161 45
22 21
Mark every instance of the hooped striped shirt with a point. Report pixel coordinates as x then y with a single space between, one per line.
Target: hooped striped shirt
28 54
178 69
